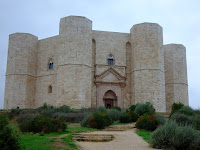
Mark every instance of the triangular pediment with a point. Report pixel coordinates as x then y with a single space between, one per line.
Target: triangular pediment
110 76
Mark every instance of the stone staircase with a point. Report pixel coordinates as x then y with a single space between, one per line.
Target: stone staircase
120 127
99 137
89 137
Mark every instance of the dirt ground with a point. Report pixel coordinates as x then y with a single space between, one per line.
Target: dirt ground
123 140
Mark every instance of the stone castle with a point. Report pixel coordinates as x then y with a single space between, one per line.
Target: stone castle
82 67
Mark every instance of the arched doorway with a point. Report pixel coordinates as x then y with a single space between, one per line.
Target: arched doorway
110 99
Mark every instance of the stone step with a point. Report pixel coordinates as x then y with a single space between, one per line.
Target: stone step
93 137
119 128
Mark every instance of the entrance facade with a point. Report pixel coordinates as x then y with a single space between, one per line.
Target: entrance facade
110 99
109 89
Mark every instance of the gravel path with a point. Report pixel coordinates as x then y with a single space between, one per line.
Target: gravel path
123 140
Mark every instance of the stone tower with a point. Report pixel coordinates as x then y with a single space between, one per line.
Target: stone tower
21 71
176 84
148 65
74 74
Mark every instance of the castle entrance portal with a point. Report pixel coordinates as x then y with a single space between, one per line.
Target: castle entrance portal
110 99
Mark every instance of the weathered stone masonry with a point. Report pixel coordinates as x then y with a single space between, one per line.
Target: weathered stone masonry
82 67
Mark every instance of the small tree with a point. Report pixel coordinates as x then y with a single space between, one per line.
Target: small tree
8 139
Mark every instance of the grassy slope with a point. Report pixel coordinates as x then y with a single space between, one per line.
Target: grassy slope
146 135
51 141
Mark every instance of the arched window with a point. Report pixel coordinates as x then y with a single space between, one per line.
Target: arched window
110 59
50 89
50 64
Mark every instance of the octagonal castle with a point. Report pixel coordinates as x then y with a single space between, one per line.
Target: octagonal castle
82 67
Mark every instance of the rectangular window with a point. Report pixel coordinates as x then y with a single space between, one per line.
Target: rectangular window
110 62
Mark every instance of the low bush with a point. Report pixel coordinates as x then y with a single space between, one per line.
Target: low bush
132 108
147 122
86 119
9 140
176 107
197 124
133 116
146 108
183 119
94 109
161 119
15 112
186 110
28 111
27 116
49 112
97 121
161 137
64 109
108 120
117 108
125 118
172 136
114 114
42 124
74 117
101 109
69 117
183 138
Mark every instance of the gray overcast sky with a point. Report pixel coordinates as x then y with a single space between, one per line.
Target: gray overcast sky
180 20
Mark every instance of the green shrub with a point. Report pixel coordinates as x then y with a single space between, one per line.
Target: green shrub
186 110
133 116
161 119
15 112
97 121
74 117
108 120
172 136
114 114
69 117
197 124
92 109
48 112
176 107
117 108
86 119
161 137
183 138
28 111
182 119
42 124
132 108
102 109
146 108
8 139
64 109
28 116
125 118
147 122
